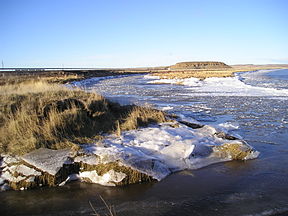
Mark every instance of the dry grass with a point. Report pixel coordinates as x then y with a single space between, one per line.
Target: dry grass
201 74
38 114
141 116
109 208
53 77
235 151
207 73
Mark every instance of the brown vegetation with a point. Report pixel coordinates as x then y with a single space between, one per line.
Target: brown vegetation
201 74
62 76
38 114
236 151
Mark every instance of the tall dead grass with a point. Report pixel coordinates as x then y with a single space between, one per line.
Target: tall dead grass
201 74
40 114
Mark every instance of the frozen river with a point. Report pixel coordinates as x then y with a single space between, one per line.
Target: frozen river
253 105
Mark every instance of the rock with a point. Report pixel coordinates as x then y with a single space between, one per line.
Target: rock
225 136
191 125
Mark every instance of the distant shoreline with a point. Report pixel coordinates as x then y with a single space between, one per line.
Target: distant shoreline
65 75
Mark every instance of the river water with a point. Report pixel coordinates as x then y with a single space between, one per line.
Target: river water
253 105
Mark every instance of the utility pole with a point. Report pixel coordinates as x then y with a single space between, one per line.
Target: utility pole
2 64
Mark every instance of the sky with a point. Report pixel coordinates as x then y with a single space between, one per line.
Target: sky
140 33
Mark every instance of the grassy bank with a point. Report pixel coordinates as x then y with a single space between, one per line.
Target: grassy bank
36 114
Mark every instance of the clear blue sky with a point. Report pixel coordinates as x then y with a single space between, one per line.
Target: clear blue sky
111 33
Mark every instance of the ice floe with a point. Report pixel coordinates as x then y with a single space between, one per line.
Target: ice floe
134 156
160 150
215 86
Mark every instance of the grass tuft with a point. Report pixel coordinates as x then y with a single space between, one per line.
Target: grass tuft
39 114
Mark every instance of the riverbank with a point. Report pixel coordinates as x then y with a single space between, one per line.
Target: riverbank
253 187
39 115
51 134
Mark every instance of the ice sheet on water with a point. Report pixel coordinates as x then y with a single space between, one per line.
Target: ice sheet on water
160 150
228 126
92 81
228 86
188 81
234 86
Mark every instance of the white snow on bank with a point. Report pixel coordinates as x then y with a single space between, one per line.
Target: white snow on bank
160 150
108 179
9 160
22 169
228 86
7 176
48 160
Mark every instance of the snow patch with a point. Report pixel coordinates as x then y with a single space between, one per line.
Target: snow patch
9 160
88 159
108 179
7 176
22 169
160 150
48 160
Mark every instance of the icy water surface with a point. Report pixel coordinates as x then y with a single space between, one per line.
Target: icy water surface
252 105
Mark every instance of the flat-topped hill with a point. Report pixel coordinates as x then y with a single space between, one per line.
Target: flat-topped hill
200 65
